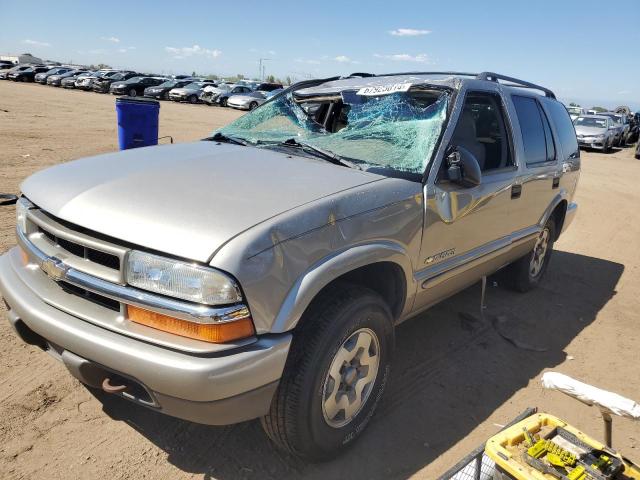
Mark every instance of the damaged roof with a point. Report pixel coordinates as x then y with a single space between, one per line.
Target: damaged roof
443 79
356 83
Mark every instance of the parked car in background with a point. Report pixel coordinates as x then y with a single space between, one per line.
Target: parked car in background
135 86
56 80
622 126
268 87
162 91
190 92
221 94
575 112
26 75
103 84
6 64
86 83
247 101
595 131
70 82
4 74
42 77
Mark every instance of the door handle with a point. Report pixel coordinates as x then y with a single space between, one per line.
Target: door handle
556 182
516 191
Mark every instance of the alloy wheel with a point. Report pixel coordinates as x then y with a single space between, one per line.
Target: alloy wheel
539 253
351 378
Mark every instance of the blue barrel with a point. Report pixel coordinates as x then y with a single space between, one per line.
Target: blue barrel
137 122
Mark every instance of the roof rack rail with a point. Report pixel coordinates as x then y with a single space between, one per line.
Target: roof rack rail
494 77
459 74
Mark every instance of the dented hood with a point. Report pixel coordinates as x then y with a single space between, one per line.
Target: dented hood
187 199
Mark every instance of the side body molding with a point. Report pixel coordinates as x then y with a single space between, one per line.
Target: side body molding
319 275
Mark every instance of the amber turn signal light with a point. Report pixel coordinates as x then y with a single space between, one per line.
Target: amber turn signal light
24 257
207 332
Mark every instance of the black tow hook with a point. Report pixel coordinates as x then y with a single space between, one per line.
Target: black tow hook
8 198
107 387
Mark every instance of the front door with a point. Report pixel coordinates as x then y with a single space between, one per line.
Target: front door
467 229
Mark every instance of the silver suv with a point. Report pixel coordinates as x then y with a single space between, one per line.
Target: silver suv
260 273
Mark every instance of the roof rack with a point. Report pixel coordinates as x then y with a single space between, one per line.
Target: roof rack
494 77
458 74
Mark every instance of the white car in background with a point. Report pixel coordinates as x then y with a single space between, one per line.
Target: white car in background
249 101
575 112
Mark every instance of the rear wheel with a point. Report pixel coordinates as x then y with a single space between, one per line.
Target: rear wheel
223 102
526 273
165 95
335 374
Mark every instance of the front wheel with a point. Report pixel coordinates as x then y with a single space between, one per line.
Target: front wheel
193 99
253 105
132 92
526 273
223 102
335 374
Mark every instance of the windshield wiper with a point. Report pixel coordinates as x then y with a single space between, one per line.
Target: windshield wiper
319 153
219 137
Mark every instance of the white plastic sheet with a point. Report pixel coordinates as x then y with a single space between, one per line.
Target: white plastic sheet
608 401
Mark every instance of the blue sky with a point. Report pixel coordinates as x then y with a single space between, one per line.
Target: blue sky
587 51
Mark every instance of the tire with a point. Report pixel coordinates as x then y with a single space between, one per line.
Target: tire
607 147
193 99
166 95
521 275
253 105
223 102
301 420
24 79
133 93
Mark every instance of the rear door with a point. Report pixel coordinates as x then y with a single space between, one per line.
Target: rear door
539 177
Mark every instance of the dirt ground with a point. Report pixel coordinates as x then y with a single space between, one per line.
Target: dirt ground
456 379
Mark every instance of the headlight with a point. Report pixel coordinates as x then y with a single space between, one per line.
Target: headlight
180 279
600 136
22 205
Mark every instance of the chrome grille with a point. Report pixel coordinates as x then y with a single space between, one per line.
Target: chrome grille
76 247
91 254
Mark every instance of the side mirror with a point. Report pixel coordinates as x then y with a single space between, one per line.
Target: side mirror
463 167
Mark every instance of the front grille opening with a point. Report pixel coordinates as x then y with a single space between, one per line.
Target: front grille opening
91 296
102 258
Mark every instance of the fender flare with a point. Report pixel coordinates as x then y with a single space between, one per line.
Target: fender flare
320 274
561 196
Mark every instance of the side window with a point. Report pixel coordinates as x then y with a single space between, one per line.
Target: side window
532 129
482 130
566 131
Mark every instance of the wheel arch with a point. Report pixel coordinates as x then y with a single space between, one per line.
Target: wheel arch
382 267
557 211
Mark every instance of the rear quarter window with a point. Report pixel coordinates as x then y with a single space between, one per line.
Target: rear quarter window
565 129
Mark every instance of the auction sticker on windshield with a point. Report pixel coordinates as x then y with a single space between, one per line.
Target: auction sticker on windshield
384 89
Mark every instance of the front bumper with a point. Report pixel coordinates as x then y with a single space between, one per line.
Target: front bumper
231 387
592 142
239 107
100 88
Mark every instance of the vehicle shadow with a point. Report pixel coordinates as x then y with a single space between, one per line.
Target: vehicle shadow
452 369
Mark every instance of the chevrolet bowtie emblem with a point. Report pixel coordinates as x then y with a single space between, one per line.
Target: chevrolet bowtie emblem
54 268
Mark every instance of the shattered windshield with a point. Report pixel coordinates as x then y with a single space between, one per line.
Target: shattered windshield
397 131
